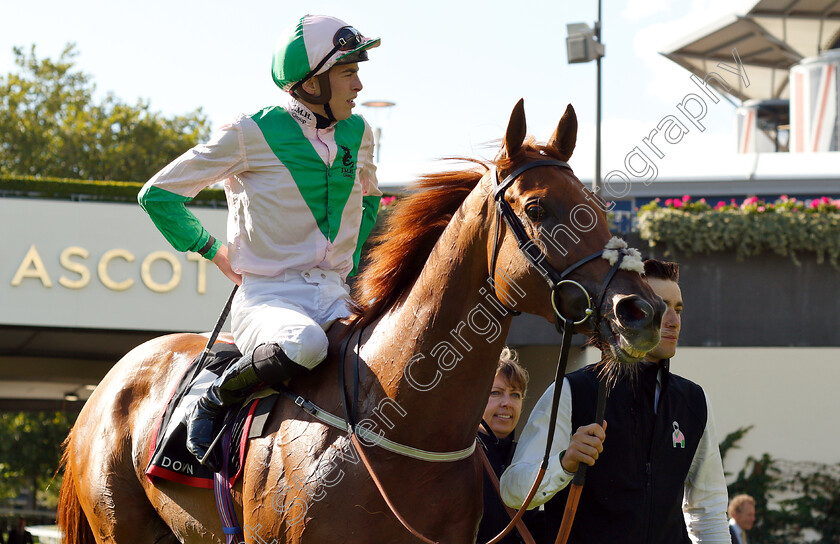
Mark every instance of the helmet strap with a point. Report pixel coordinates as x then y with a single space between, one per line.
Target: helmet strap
329 113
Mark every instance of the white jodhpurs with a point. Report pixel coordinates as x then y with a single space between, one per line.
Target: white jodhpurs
292 310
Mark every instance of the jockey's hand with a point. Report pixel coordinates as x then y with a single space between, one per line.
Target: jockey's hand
221 260
586 445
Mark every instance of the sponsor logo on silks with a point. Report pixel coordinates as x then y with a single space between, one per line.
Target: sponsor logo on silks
300 114
678 437
347 163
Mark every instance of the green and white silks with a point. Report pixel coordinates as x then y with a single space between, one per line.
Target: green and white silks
298 197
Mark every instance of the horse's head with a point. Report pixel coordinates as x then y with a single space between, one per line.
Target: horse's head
554 255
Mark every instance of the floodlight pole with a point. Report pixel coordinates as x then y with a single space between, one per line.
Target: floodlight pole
378 105
597 184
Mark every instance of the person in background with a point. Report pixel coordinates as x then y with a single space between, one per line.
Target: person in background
741 518
656 475
501 415
19 534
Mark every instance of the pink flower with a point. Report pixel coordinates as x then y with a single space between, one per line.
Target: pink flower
703 200
686 198
825 200
751 200
815 203
720 204
761 208
669 202
732 202
678 203
783 197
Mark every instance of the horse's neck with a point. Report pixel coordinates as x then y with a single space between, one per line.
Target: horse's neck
439 350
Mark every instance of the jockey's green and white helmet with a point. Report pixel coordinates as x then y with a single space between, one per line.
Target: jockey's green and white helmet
310 48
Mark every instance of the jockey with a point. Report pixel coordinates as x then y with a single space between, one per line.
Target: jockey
302 198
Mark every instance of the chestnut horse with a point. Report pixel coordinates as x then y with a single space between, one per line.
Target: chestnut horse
435 318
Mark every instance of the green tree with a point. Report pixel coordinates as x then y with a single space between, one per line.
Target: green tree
30 450
51 125
791 497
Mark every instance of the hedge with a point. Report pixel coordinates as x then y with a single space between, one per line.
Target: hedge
785 227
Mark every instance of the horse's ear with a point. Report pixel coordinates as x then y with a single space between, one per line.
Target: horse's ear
515 134
564 138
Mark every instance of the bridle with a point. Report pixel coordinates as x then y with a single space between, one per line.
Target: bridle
532 252
556 280
565 325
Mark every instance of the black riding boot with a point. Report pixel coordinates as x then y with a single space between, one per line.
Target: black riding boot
266 365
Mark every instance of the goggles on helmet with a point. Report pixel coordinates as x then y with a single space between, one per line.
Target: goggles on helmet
346 38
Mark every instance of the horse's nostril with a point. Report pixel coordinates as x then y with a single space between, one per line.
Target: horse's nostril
633 311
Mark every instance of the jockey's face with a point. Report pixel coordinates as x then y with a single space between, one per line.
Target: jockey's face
671 321
345 85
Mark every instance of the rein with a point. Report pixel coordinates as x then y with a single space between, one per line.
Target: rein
350 411
556 280
491 475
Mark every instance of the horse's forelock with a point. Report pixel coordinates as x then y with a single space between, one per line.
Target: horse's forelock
530 150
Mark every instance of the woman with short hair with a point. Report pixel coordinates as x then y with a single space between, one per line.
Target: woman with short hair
504 407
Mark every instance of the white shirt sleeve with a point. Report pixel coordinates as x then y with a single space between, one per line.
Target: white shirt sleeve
518 478
220 158
705 496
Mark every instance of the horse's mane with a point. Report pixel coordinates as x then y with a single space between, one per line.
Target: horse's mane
412 230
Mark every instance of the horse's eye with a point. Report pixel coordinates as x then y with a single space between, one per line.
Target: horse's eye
535 212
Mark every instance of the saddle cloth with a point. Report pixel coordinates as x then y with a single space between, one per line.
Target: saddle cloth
168 456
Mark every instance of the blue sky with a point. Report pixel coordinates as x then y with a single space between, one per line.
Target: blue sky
454 69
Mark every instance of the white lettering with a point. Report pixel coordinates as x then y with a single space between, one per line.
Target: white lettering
32 267
379 411
608 183
414 383
146 272
586 211
685 110
201 285
646 170
102 269
78 268
738 70
671 123
72 259
446 354
491 325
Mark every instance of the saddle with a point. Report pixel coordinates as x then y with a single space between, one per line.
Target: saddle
169 458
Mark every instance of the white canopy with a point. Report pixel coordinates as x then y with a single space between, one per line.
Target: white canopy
770 38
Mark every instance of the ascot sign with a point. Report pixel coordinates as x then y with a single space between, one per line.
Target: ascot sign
74 259
103 265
